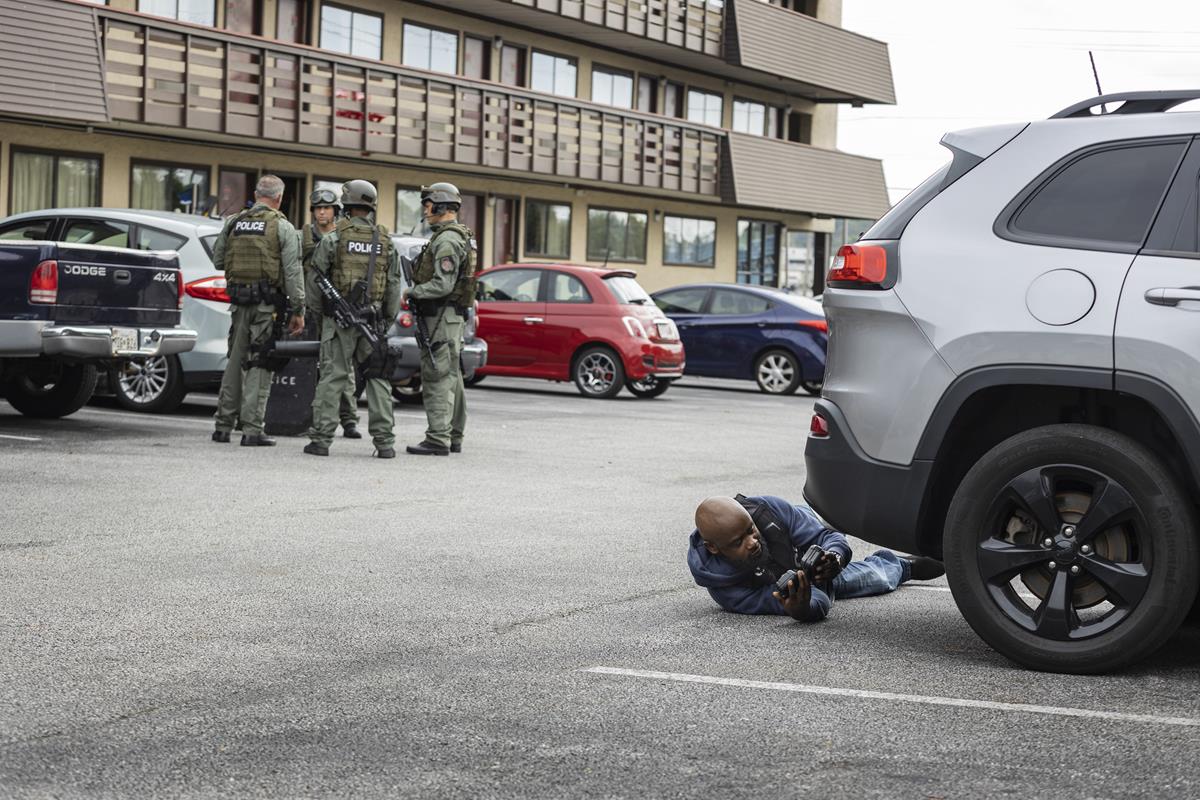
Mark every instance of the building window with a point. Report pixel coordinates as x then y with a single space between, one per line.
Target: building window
553 74
646 99
426 48
352 32
749 117
512 65
704 107
673 100
169 187
799 127
612 88
547 229
689 241
616 235
53 180
289 20
235 191
758 252
241 16
477 58
201 12
409 219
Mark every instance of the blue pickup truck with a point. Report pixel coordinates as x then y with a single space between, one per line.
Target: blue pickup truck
67 310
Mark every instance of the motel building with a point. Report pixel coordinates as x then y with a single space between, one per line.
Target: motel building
689 140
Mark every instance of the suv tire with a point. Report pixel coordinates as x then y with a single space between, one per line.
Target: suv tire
50 389
153 385
1106 513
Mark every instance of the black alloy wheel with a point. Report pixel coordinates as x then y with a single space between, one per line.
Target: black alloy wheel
1071 548
647 387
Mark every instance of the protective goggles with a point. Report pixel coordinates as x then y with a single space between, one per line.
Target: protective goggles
323 197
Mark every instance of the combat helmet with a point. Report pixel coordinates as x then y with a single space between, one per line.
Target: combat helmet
441 193
359 193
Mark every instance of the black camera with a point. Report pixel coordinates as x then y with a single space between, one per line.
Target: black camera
807 564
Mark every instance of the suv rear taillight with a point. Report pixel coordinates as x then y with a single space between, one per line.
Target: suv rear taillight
819 427
208 289
43 285
865 265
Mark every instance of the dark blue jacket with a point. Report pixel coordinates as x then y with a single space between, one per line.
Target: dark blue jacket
747 590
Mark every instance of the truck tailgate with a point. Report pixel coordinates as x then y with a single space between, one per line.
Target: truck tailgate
117 287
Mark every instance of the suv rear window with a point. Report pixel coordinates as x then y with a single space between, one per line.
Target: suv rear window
1105 197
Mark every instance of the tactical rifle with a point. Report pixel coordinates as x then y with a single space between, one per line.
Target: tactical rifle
343 313
423 339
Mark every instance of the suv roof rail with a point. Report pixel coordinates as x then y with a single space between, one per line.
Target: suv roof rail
1131 103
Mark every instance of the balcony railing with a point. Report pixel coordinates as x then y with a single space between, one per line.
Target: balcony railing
168 74
692 24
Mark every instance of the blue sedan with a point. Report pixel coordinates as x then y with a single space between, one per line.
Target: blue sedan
750 332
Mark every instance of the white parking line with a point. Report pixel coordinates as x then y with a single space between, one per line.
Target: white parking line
21 438
956 702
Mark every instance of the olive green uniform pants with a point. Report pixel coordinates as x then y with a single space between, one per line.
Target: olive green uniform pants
341 349
442 381
244 393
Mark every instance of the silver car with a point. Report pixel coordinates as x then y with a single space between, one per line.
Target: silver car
1013 380
154 384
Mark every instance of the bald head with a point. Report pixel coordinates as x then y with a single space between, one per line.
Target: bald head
727 529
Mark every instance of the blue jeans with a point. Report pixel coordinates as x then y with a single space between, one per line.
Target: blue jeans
878 573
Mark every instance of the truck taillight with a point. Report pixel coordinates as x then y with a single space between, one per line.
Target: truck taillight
179 288
43 286
859 266
208 289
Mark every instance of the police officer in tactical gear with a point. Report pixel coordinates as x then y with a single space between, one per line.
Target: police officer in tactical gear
323 206
443 290
259 251
361 263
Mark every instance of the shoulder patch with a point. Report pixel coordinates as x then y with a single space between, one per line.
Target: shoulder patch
447 264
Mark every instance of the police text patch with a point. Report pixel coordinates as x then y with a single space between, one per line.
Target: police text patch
364 248
250 227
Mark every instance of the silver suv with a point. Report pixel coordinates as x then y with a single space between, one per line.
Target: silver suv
1013 380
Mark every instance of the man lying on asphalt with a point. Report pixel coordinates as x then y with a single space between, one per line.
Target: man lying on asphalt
743 546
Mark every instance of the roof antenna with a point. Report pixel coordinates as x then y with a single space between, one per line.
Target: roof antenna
1096 75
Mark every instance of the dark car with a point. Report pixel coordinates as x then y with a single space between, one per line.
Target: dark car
751 333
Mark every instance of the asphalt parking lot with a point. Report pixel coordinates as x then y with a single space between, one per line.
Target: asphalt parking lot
182 618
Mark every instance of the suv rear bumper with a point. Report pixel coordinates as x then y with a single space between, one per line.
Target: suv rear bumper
859 495
96 342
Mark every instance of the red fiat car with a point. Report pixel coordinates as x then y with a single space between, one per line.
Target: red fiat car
565 322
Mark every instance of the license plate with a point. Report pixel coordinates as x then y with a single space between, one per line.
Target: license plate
124 340
666 330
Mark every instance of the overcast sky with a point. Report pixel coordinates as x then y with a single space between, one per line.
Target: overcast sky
964 63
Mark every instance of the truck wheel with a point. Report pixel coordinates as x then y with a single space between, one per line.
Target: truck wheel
153 385
1071 548
598 372
50 389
